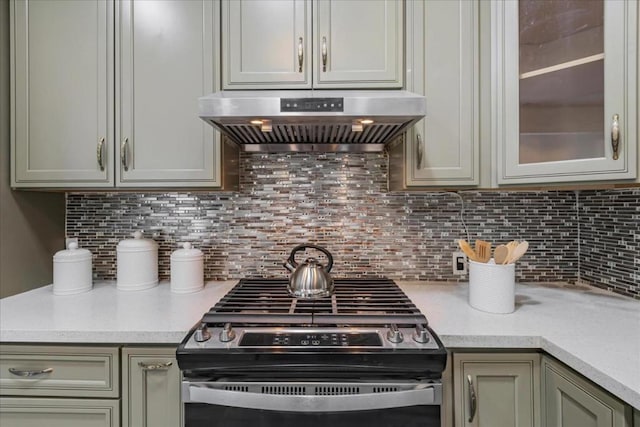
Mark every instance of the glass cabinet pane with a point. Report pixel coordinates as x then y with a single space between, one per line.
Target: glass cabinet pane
561 85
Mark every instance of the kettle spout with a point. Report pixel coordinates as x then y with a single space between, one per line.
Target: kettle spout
289 266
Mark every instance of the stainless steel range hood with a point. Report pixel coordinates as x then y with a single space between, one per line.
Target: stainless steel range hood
276 121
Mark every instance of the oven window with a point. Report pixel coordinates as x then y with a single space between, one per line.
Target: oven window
202 414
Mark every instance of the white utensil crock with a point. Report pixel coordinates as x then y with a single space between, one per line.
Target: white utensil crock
72 271
492 287
137 263
187 270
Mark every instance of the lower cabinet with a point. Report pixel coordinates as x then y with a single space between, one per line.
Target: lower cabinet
571 401
150 387
28 412
496 390
59 386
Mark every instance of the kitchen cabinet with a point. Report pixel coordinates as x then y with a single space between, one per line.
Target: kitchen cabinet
288 44
564 77
443 148
36 412
79 124
572 401
151 383
59 386
62 93
495 390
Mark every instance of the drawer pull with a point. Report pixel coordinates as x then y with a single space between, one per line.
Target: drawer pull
155 366
22 373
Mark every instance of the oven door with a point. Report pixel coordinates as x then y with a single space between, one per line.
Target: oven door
311 404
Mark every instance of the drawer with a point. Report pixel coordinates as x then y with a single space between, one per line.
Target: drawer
59 371
21 412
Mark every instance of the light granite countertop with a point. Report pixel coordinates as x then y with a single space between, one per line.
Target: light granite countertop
595 332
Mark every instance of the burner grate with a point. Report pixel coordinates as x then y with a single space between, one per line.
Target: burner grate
354 302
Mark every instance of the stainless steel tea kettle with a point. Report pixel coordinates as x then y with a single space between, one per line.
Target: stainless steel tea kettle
310 279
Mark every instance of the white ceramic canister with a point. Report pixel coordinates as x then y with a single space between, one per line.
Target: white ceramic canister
137 263
187 270
72 270
492 287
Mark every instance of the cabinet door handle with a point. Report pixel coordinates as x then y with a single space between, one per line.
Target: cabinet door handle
155 366
472 399
419 150
615 136
100 153
300 54
324 54
22 373
124 158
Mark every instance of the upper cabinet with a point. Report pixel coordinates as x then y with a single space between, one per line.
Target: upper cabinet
565 83
62 93
79 124
289 44
443 148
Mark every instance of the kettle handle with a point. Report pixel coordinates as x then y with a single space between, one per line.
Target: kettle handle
292 256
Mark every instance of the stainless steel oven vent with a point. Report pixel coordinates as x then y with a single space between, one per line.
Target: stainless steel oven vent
334 391
275 121
284 390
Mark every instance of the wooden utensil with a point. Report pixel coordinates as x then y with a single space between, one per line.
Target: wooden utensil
483 249
468 251
517 253
501 254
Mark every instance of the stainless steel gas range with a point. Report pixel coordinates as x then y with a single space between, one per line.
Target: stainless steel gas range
363 356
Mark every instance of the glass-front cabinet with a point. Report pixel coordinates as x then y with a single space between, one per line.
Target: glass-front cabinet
564 77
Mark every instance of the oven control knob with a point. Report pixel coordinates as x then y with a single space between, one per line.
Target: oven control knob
202 334
394 335
227 334
421 334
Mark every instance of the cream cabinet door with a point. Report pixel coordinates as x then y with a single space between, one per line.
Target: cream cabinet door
358 43
165 60
37 412
443 148
572 401
496 390
62 93
151 383
266 44
564 90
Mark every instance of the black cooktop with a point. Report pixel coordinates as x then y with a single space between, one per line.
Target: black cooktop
354 302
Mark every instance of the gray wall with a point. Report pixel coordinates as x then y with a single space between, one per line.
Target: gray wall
31 224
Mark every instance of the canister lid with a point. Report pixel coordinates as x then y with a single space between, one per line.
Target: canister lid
137 243
187 253
73 253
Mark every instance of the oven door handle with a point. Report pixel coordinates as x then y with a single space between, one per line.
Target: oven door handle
425 394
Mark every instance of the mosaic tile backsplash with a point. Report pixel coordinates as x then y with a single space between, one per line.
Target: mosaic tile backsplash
339 201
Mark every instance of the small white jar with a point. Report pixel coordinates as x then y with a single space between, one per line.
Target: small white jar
137 263
187 270
72 271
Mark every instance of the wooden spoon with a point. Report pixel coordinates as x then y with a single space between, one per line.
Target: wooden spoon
501 254
518 251
483 249
468 251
